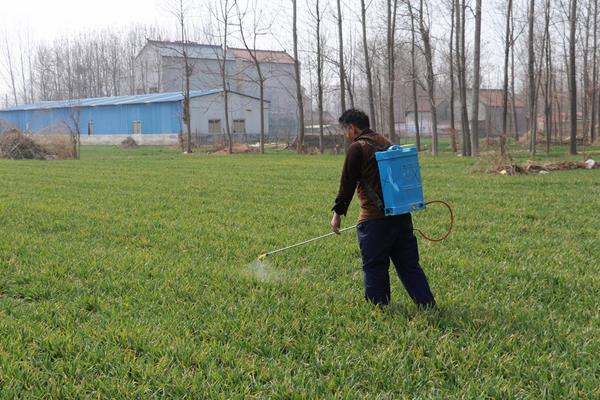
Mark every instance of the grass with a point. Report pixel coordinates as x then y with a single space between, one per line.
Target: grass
128 275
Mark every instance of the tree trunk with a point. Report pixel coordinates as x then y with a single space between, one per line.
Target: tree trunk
513 105
341 62
368 66
573 76
11 73
261 78
507 46
461 64
187 73
320 78
414 80
430 78
476 80
532 80
262 109
452 94
586 72
299 97
224 76
341 57
392 8
594 75
548 90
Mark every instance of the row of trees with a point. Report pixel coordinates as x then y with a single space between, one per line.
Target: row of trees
94 64
435 71
382 55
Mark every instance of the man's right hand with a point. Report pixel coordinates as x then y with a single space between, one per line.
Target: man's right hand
336 223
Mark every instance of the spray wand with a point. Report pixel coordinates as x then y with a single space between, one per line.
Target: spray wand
444 237
263 256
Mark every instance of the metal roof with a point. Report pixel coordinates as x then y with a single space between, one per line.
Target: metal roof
113 101
194 50
263 56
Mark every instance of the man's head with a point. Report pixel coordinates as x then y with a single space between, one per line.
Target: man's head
353 122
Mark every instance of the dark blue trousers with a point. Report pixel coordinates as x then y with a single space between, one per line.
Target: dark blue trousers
392 238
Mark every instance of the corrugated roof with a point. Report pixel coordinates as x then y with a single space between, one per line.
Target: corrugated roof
113 101
263 56
494 98
215 52
194 50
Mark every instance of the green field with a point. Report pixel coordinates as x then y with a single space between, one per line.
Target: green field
128 274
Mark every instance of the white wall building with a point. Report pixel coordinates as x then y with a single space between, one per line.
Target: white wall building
160 68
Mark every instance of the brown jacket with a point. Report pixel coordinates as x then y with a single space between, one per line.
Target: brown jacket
360 169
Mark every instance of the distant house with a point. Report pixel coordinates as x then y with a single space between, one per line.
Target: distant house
424 113
160 68
151 119
490 113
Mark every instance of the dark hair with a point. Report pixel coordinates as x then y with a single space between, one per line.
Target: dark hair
355 117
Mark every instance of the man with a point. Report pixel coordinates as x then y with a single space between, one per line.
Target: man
380 238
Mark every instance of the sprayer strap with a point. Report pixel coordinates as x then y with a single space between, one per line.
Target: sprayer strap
373 196
371 193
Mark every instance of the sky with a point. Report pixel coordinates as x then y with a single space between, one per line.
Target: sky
37 21
49 19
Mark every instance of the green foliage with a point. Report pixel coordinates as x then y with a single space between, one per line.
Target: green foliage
129 274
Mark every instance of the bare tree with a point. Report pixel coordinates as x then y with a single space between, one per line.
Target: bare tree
512 78
428 53
413 70
507 47
252 51
585 66
373 115
452 86
11 69
349 70
548 74
23 73
75 128
180 11
573 74
317 15
460 10
532 79
392 10
594 74
299 96
476 82
342 72
221 14
430 76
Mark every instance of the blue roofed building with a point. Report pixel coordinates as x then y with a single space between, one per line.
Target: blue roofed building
150 119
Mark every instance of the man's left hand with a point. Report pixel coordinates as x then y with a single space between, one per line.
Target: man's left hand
336 223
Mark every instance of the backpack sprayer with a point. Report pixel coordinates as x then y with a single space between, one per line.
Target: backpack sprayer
402 189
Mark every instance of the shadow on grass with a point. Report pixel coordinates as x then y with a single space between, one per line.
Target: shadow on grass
464 318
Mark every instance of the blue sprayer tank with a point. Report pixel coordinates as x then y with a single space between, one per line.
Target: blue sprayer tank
400 180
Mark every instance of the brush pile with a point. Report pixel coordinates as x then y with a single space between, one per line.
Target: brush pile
129 143
237 149
533 168
59 145
16 146
525 139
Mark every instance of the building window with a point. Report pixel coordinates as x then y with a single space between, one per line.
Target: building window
214 126
239 126
153 90
137 127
